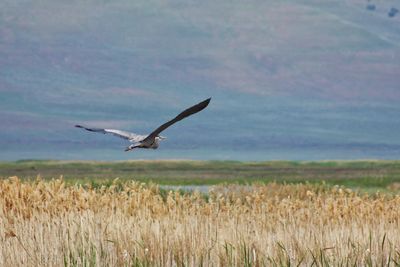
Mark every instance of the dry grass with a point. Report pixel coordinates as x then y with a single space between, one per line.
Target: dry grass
50 224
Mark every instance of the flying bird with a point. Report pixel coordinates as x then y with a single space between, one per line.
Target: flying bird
153 139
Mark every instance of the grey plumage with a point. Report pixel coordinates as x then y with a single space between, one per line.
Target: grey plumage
122 134
152 140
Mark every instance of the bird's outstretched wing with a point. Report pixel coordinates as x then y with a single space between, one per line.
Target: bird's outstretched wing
187 112
122 134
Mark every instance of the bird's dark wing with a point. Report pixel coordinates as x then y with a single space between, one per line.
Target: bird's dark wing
122 134
187 112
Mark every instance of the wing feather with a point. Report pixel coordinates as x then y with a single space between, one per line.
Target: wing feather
186 113
122 134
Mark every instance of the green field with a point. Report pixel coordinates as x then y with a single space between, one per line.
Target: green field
367 175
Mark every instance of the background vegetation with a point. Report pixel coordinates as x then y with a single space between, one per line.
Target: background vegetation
264 214
367 175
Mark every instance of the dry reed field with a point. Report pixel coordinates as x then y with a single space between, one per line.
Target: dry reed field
47 223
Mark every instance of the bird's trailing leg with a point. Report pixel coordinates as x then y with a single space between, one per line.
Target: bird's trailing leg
131 147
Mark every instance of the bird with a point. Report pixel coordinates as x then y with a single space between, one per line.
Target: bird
153 139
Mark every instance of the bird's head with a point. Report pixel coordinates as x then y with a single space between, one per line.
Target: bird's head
159 137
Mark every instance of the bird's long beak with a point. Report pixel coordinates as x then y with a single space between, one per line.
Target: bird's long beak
162 137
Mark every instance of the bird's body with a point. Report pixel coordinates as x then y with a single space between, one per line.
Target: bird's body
153 139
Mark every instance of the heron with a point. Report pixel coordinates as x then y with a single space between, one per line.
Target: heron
153 139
